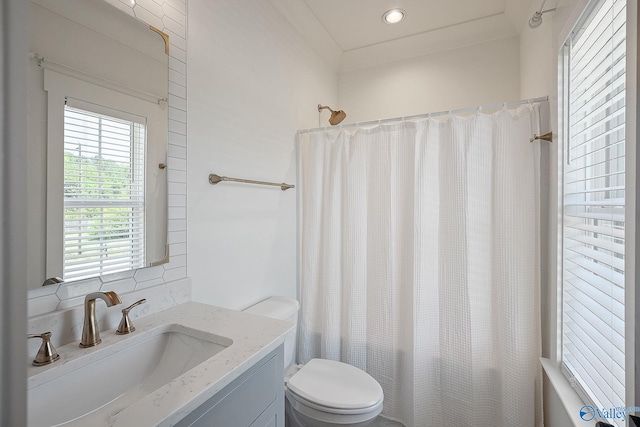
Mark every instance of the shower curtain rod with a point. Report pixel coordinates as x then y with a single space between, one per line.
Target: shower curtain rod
427 115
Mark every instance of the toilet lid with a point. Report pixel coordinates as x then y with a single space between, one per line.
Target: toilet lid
336 385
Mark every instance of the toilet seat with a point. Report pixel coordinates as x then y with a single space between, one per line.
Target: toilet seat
335 387
310 411
301 403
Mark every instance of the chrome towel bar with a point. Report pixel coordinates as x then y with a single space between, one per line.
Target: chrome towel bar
214 179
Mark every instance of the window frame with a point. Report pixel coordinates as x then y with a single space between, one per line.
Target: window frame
569 19
60 86
134 256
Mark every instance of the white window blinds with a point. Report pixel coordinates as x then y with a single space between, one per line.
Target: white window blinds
594 199
103 193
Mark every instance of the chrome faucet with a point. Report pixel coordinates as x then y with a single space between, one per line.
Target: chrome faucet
90 330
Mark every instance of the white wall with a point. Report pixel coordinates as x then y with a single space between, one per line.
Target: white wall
252 82
538 71
538 75
476 75
537 64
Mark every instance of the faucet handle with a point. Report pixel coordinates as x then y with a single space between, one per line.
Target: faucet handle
125 326
46 354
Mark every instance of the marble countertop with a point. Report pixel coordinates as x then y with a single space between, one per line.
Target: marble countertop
253 338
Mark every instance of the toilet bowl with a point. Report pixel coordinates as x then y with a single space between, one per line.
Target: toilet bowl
321 393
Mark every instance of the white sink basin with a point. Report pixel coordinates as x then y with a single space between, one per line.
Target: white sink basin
108 379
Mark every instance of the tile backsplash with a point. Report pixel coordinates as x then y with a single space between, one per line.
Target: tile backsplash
65 325
58 308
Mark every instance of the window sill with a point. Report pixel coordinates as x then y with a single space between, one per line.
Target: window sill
569 398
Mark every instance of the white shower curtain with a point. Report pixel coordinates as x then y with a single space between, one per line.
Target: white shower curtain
420 264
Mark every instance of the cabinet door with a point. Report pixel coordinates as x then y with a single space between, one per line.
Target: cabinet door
268 419
256 398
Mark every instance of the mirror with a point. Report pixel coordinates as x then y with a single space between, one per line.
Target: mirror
97 141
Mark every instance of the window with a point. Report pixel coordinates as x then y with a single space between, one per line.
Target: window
593 225
103 192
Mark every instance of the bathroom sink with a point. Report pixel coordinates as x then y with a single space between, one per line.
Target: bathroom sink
106 380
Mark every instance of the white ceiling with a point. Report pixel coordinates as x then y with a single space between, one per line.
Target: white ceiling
355 24
350 34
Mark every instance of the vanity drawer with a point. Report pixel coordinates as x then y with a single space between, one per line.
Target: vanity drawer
256 398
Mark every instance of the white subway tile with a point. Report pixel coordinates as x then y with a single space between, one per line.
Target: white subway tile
179 5
176 40
178 90
117 276
177 224
176 101
123 5
43 291
149 283
177 200
177 188
177 127
174 14
120 286
80 288
152 7
176 237
175 274
177 65
174 26
179 54
177 176
177 213
177 164
149 273
177 114
178 249
71 302
176 151
178 139
148 17
176 262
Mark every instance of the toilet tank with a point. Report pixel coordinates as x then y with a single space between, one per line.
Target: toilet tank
281 308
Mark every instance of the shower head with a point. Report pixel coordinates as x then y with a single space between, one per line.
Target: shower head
535 20
336 116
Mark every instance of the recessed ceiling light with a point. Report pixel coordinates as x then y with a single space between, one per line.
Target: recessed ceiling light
393 16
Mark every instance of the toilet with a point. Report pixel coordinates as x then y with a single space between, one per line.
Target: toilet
321 393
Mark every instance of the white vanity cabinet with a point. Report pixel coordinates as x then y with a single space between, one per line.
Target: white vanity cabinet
190 365
254 399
